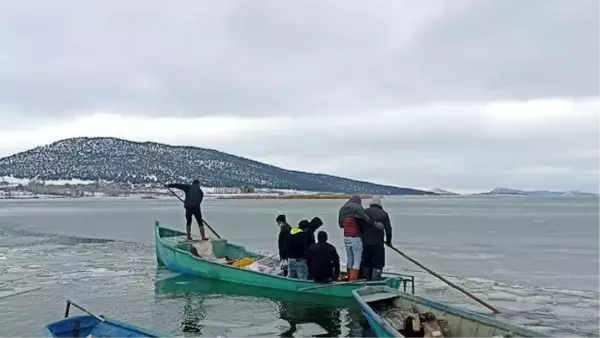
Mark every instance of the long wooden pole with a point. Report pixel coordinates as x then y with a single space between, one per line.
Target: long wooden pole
203 221
480 301
20 292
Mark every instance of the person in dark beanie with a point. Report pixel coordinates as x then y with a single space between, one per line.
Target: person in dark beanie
313 225
191 203
284 231
323 260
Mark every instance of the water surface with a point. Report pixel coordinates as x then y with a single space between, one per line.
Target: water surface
534 258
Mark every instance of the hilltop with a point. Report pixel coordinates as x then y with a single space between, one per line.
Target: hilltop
118 160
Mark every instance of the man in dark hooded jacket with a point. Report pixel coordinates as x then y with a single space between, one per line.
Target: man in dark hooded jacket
353 219
297 244
373 259
191 203
313 226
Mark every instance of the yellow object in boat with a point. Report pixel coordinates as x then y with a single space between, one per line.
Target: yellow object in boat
243 262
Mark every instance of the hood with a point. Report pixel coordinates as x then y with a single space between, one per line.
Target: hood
355 199
315 224
376 201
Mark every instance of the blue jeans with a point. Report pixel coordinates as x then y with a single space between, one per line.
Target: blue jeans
354 249
297 268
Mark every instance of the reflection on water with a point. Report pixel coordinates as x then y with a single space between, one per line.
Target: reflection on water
193 314
213 308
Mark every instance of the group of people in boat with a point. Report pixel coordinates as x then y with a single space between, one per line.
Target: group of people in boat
365 232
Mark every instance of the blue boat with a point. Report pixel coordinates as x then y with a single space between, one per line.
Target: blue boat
92 325
393 313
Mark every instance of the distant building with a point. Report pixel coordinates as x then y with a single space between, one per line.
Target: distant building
223 190
248 189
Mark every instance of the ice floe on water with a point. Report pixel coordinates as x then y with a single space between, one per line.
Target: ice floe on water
32 260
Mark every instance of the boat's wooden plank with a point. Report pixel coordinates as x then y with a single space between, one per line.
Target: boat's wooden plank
373 297
467 328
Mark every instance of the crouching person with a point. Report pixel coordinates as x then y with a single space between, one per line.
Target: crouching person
297 244
323 260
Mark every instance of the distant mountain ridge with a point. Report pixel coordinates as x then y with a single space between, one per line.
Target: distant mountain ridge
118 160
443 192
513 192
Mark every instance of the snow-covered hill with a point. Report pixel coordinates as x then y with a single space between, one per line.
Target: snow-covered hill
118 160
443 192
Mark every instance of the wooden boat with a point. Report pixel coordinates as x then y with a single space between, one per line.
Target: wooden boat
174 252
92 325
387 310
186 286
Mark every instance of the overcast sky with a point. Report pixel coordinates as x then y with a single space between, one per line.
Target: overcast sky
460 95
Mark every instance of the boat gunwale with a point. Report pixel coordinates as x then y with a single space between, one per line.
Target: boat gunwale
221 265
457 311
365 307
110 321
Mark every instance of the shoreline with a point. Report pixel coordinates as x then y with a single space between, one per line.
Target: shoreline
206 197
292 197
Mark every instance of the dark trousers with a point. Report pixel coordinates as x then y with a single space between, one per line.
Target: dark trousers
193 211
373 257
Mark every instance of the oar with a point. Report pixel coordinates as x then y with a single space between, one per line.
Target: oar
332 284
203 221
445 280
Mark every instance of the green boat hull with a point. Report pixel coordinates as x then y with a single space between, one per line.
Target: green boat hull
176 256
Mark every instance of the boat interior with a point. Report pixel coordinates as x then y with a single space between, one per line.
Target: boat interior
88 326
414 316
217 250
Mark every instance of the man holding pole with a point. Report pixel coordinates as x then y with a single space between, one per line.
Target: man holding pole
193 199
373 258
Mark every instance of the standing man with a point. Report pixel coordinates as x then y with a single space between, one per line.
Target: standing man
353 220
323 260
373 250
193 199
284 232
297 244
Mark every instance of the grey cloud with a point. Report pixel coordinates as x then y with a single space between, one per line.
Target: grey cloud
268 58
547 154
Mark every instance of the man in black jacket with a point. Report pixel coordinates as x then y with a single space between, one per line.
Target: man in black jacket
323 260
193 199
296 247
284 231
373 259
